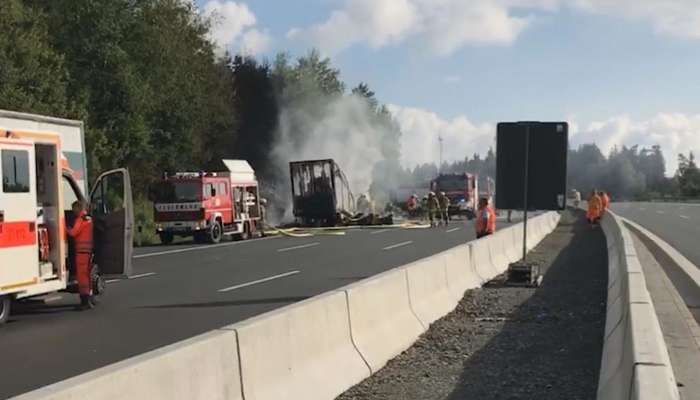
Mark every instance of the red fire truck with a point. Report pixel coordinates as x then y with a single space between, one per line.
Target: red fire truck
461 189
209 205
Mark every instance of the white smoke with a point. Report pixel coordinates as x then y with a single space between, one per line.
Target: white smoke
345 132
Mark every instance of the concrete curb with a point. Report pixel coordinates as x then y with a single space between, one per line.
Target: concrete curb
635 363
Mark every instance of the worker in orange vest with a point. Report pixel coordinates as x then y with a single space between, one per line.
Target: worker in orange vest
485 219
595 208
605 201
81 232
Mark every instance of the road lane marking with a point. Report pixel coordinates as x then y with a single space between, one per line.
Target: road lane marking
112 280
270 278
302 246
379 231
453 229
660 212
642 209
52 299
684 216
142 275
205 247
393 246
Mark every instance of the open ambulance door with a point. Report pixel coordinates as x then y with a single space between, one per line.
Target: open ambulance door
113 220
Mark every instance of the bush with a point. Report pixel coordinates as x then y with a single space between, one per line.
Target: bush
143 218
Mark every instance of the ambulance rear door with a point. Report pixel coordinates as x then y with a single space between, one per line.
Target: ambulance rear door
18 214
113 215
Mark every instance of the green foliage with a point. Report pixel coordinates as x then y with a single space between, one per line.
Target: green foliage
143 220
33 76
688 176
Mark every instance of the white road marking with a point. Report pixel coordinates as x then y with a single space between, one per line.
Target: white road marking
642 209
112 280
393 246
453 229
194 248
660 212
142 275
684 216
242 285
303 246
379 231
52 299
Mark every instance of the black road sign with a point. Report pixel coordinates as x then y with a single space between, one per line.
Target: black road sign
538 151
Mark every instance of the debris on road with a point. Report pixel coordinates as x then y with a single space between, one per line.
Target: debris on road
513 342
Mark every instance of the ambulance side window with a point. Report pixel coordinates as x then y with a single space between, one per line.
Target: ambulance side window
15 171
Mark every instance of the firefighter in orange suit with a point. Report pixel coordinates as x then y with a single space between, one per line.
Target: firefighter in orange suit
81 232
485 219
595 208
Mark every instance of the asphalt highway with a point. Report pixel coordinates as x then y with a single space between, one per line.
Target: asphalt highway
180 291
678 224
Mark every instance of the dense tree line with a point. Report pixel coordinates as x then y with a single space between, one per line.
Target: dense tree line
154 95
626 172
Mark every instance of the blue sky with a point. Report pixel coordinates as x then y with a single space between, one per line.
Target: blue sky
622 72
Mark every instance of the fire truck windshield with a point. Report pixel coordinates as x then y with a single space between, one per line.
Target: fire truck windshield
451 184
179 192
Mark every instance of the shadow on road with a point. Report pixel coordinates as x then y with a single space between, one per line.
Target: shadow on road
550 346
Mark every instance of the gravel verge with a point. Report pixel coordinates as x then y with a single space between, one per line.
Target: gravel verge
506 342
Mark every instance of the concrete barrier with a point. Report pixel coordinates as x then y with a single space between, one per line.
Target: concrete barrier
315 349
382 321
635 363
204 367
427 289
288 353
460 272
498 247
481 259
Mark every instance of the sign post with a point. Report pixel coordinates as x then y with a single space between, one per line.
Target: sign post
530 175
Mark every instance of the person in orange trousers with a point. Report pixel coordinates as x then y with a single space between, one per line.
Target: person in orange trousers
595 208
485 219
81 232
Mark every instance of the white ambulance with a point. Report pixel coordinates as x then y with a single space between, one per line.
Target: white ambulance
37 188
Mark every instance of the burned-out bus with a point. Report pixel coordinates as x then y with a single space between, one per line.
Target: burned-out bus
320 192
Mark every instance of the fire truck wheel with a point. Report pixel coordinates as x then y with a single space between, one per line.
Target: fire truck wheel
215 232
5 303
166 237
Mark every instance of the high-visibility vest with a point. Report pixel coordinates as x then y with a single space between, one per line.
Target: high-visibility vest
81 232
486 220
595 205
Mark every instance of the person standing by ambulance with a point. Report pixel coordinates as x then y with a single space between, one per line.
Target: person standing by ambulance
444 202
485 219
433 209
82 232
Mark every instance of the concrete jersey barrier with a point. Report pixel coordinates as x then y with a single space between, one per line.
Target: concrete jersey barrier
204 367
635 362
382 320
288 353
315 349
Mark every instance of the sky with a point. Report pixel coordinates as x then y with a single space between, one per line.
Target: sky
621 72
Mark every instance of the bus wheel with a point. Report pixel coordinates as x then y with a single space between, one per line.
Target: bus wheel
5 304
216 232
166 237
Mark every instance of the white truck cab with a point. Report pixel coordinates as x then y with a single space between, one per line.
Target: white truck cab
37 189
